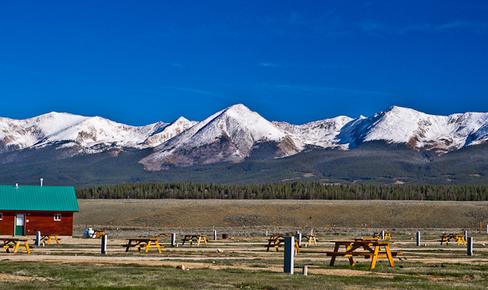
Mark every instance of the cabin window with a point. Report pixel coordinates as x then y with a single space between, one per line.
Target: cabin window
1 216
57 217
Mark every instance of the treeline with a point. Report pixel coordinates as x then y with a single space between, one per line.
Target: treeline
295 190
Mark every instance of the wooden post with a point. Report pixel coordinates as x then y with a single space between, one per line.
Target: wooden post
103 245
299 238
38 239
289 252
305 270
215 235
417 238
470 246
173 239
382 234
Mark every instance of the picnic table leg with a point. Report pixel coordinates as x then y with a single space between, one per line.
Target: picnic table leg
16 247
374 258
389 256
158 246
26 245
148 246
332 259
128 246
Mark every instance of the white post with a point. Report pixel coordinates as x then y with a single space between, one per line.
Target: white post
103 245
382 234
465 235
470 246
42 181
299 237
305 270
38 239
173 239
215 235
289 252
417 238
487 228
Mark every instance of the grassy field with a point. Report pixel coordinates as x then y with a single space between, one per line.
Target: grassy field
284 213
242 261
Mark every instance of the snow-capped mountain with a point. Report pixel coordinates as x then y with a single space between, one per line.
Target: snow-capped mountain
321 133
228 135
82 134
419 130
237 133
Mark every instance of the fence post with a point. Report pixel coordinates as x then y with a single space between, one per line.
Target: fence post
305 270
470 246
103 245
289 255
215 235
417 238
38 239
173 239
299 238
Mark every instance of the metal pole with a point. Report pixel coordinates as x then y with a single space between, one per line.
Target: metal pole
417 238
173 239
289 255
103 245
470 246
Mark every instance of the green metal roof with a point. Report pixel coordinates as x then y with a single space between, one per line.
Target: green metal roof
45 198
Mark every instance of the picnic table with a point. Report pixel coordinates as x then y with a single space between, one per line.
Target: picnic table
48 238
378 235
457 237
98 234
14 244
311 239
276 241
198 239
371 248
143 244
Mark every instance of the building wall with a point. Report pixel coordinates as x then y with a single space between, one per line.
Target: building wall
7 223
39 221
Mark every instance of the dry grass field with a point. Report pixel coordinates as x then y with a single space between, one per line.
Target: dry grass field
242 260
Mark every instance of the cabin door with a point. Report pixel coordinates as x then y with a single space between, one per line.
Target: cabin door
19 224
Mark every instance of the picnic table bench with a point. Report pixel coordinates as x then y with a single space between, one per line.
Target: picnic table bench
277 241
14 244
458 238
198 239
143 244
371 248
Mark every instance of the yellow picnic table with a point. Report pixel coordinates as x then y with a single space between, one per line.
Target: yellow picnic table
276 241
458 238
143 244
48 238
198 239
15 244
378 235
371 248
311 240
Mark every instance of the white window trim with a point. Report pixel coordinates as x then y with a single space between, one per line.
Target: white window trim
57 217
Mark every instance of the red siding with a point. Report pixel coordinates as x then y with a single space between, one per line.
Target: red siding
39 221
7 223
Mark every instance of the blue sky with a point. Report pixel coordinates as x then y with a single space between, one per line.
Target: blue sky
142 61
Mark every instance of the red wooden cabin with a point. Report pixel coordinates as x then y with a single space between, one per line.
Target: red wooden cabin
26 209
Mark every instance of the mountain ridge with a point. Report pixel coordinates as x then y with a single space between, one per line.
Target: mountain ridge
237 133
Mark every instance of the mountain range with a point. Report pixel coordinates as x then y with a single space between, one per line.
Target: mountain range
237 137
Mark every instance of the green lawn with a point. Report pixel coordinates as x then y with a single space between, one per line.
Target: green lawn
70 276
